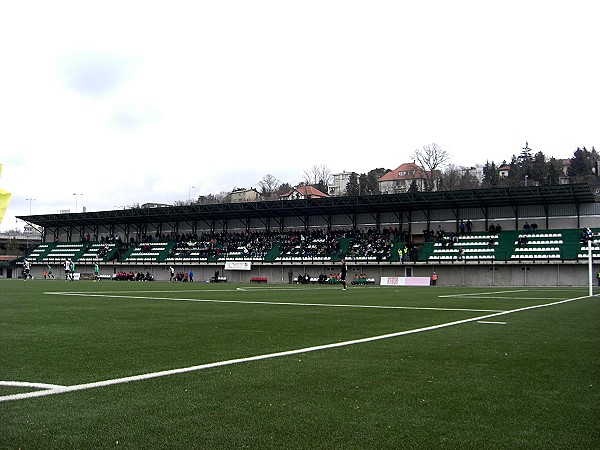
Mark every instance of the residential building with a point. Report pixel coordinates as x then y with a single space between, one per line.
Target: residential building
302 192
504 170
242 195
401 179
338 186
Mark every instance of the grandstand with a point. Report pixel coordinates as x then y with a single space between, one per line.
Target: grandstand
384 235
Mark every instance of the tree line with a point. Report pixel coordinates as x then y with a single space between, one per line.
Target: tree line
526 168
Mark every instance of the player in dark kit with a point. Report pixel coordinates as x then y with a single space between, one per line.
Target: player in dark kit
343 273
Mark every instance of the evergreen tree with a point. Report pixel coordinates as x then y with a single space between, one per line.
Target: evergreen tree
538 169
580 165
491 177
372 177
282 189
352 188
525 155
553 177
363 184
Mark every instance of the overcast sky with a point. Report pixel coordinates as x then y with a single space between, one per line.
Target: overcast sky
131 102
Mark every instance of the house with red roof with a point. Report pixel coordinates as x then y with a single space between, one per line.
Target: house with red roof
302 192
400 179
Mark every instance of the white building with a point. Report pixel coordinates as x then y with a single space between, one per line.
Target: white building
338 186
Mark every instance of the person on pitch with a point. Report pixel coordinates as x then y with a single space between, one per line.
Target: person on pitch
343 273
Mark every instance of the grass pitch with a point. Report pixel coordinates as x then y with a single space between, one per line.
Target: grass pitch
176 365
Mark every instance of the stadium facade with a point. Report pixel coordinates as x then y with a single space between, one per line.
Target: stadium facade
560 213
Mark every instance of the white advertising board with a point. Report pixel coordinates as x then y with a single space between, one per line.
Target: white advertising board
405 281
238 265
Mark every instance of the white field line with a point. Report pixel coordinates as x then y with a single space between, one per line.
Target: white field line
512 298
491 322
483 293
30 385
164 373
256 302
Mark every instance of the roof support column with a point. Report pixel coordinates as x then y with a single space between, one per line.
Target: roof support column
456 212
486 217
427 213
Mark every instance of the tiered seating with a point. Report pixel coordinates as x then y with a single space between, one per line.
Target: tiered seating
98 252
539 246
40 251
296 254
148 252
372 246
64 250
317 248
583 251
466 248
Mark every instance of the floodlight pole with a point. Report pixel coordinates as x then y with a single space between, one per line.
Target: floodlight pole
590 266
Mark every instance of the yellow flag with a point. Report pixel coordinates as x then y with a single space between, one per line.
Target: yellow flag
4 198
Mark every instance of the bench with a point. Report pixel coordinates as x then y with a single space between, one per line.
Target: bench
258 280
219 280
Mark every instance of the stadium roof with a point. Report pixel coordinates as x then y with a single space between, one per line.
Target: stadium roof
413 201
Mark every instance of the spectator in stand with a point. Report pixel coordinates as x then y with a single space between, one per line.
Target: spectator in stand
469 227
440 233
526 228
534 227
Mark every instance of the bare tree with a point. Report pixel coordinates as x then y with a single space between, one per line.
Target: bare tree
268 186
456 177
431 158
318 176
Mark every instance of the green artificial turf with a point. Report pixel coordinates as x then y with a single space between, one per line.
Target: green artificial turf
531 382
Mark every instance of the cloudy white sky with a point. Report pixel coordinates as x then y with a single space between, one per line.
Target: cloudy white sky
137 101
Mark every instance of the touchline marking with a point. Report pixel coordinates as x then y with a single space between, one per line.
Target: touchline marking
514 298
255 302
491 322
164 373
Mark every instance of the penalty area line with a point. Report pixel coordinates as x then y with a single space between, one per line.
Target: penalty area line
164 373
